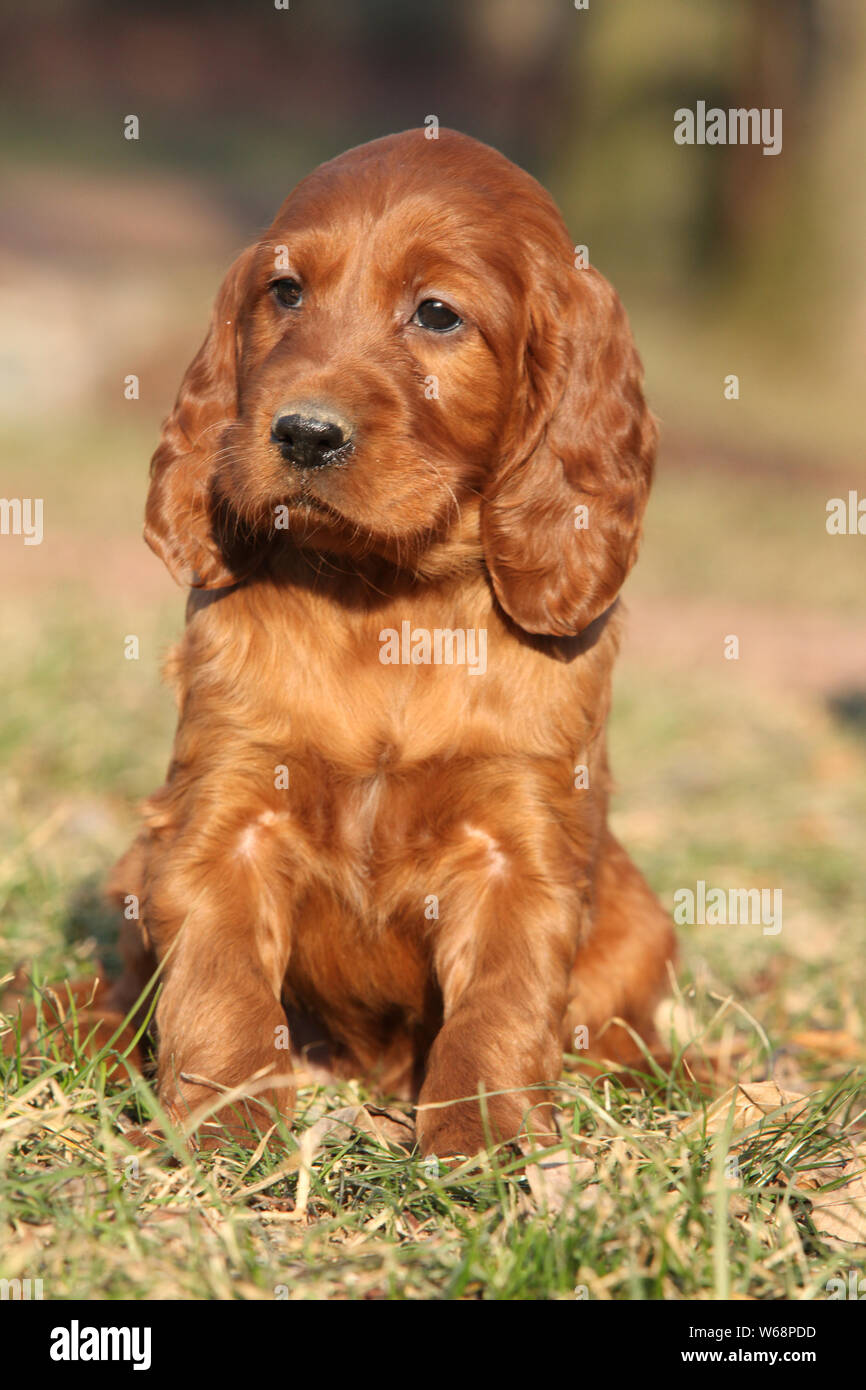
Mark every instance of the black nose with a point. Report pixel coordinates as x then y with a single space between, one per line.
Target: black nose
308 440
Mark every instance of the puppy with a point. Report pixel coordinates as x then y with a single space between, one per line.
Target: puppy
404 481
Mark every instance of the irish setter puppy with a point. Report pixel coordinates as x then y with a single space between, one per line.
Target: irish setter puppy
404 481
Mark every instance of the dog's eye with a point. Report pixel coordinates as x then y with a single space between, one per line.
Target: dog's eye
287 292
436 316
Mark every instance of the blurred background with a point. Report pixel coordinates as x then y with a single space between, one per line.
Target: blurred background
743 773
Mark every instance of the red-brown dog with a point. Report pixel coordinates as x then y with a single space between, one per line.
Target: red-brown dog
405 477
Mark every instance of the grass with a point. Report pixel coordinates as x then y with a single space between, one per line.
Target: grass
737 784
643 1212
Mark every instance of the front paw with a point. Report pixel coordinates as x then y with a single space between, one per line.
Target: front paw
451 1139
464 1129
209 1114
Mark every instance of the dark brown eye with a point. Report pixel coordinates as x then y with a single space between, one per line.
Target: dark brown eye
287 292
436 316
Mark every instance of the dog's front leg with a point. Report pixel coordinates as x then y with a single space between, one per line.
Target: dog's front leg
224 938
503 951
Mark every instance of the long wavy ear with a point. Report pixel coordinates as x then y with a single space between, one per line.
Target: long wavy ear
179 516
561 520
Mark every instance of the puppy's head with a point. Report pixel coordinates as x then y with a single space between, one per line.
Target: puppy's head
408 342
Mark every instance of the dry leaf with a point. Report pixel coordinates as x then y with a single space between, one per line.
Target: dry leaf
551 1180
752 1102
390 1126
838 1216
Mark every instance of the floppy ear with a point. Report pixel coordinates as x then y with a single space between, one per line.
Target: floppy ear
561 519
180 512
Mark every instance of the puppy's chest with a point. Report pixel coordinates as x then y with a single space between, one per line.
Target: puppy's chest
363 736
367 694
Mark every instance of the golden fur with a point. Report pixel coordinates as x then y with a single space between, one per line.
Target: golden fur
431 900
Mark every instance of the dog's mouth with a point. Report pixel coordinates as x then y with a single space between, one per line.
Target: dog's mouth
306 506
308 501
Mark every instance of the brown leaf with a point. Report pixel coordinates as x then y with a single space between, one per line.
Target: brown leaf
388 1125
551 1180
752 1102
838 1216
391 1125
